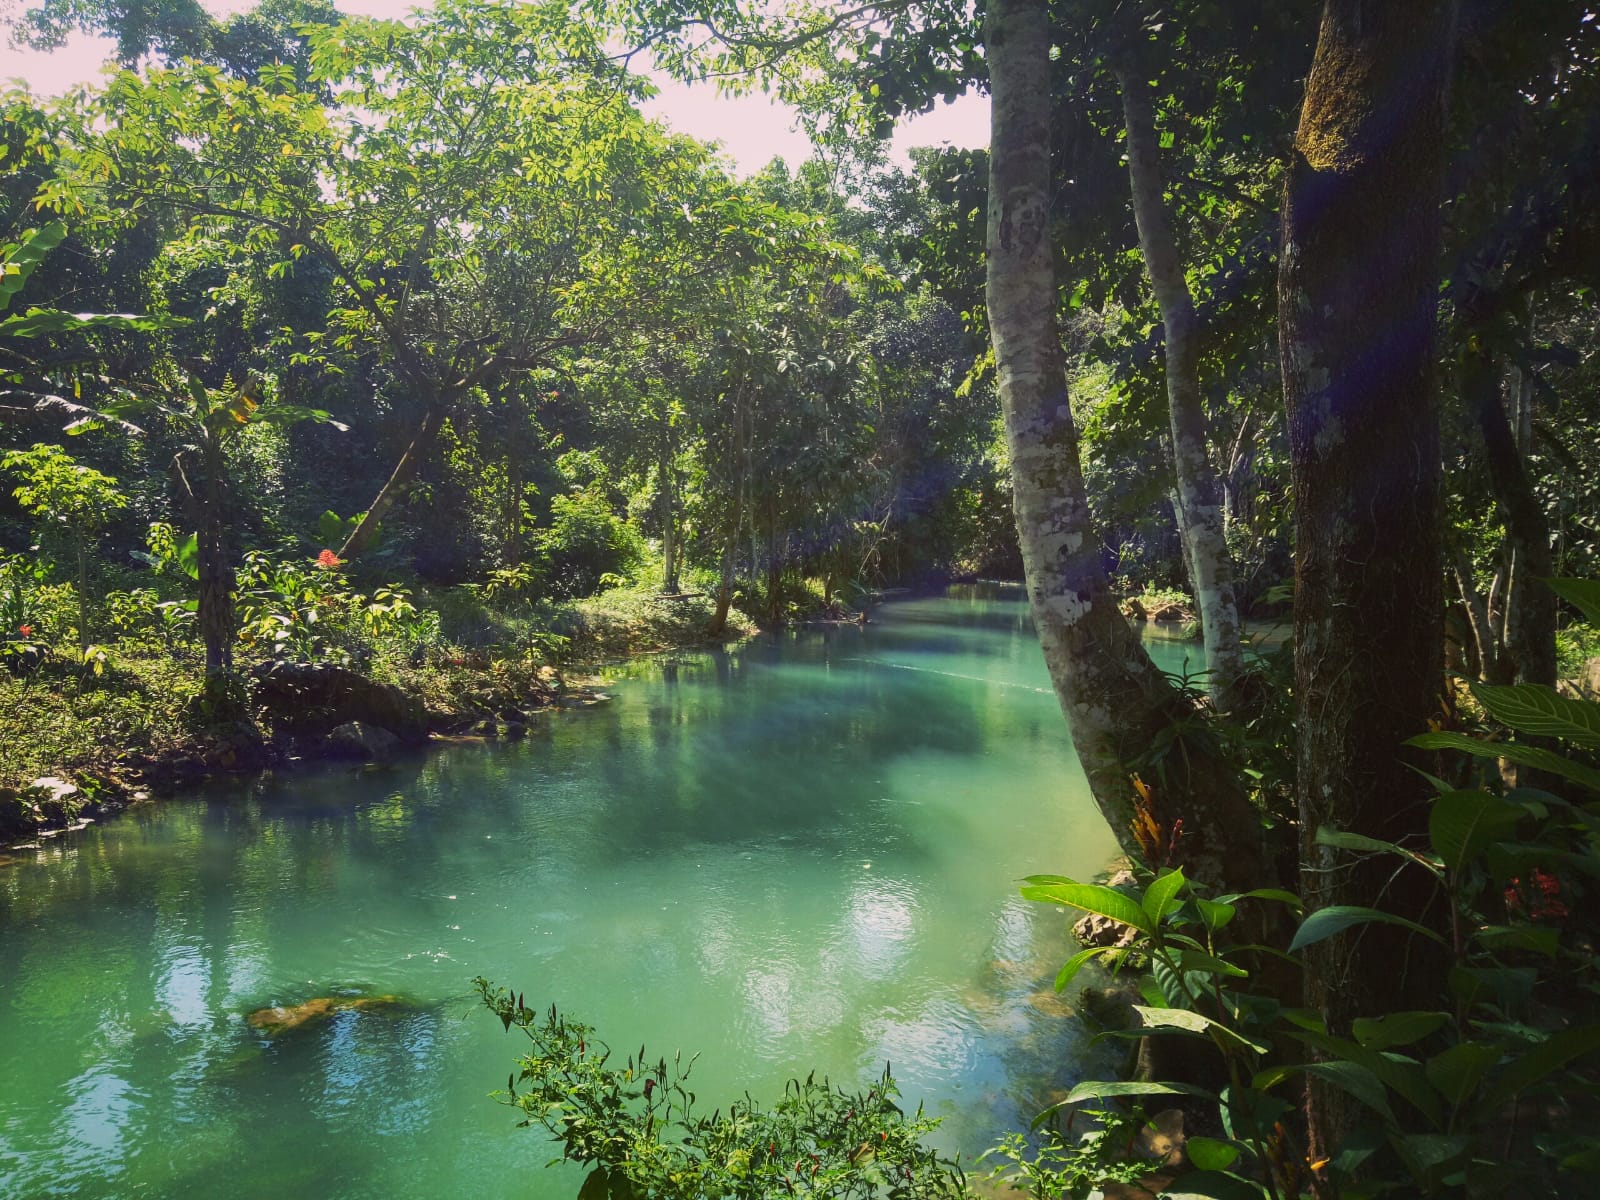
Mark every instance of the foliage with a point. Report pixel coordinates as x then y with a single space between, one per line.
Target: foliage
1513 868
638 1128
1058 1166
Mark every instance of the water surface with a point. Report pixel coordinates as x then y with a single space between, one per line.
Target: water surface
798 854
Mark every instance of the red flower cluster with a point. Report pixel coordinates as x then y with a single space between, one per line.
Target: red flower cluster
329 561
1539 897
25 630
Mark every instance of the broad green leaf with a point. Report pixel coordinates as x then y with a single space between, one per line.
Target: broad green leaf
1348 1077
19 259
1527 756
1461 824
1503 986
1091 897
595 1185
1336 918
1540 939
1161 895
1278 894
1199 960
1458 1071
1076 963
1397 1029
1425 1153
1356 841
1211 1154
1538 710
1091 1089
1582 594
1396 1072
189 556
1214 913
1213 1185
1540 1062
1191 1022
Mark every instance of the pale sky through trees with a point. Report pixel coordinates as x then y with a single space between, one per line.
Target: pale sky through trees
753 129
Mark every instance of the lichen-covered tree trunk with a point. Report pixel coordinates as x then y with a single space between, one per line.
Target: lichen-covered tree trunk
669 516
1199 490
361 538
1358 281
214 612
1529 636
1114 698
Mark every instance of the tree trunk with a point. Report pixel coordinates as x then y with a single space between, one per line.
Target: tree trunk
1199 489
1530 606
774 568
669 519
1357 287
405 470
1114 698
205 507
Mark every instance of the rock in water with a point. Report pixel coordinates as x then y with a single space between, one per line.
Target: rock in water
283 1019
355 739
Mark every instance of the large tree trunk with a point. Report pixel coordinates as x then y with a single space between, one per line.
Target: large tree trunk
405 470
1199 491
1114 698
1530 607
1358 280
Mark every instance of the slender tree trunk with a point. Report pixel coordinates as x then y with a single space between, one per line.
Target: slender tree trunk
405 470
214 610
1529 607
1199 489
1357 288
730 549
1483 635
1115 700
669 519
774 567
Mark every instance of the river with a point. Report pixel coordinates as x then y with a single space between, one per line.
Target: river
801 853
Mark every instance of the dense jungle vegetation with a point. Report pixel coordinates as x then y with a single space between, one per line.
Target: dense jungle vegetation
410 347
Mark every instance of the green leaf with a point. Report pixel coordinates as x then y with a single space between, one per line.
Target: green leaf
1214 913
1091 897
1197 960
1397 1029
1278 894
1543 1060
1539 939
1533 708
1458 1071
189 556
1211 1154
1346 840
1461 824
595 1185
1527 756
1161 896
1076 963
21 258
1336 918
1582 594
1091 1089
1186 1021
1213 1185
1349 1077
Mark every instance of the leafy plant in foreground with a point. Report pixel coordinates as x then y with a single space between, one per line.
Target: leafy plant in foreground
636 1126
1465 1098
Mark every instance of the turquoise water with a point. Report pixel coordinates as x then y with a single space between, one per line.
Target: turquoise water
800 853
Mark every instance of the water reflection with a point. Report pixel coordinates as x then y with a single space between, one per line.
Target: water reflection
797 853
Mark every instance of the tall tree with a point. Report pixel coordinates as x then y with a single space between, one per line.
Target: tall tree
1358 285
1114 698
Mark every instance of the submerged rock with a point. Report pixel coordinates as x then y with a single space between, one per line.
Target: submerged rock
283 1019
355 739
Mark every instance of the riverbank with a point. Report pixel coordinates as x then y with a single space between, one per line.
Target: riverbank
82 742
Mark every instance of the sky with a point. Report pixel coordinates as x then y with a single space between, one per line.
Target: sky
752 129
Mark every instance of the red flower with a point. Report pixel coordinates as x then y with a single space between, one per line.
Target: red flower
329 561
25 630
1539 898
